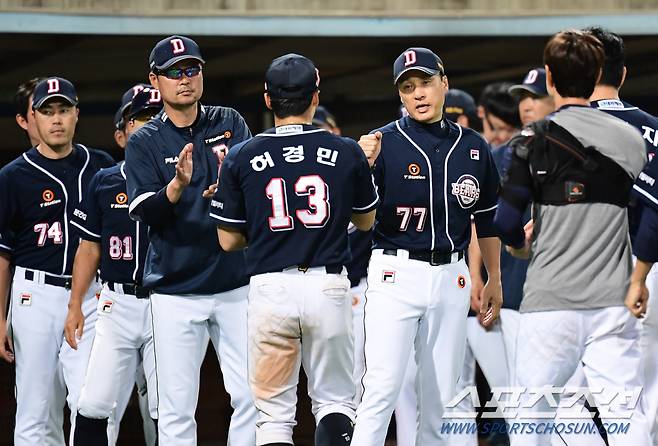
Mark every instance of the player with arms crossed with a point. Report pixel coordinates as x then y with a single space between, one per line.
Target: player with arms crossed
289 193
111 240
432 175
38 193
198 291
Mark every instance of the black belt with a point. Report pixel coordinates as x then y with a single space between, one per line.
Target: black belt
64 282
330 269
432 257
131 288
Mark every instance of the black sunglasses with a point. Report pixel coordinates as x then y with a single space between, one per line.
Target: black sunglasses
177 73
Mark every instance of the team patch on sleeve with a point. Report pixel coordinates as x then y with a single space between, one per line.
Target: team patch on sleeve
467 191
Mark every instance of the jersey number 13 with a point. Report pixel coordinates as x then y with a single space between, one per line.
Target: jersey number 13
312 186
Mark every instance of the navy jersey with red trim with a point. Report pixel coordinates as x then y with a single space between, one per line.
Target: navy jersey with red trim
431 179
648 126
184 256
37 198
293 190
102 217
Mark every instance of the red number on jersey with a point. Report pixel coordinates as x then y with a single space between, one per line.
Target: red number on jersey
47 231
121 249
312 186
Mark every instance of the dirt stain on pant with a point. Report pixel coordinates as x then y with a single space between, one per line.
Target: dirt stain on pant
275 351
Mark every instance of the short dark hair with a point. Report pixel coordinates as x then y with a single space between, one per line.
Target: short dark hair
575 59
497 100
615 55
22 95
285 107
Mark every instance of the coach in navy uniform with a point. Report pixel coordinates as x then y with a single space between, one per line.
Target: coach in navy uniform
38 193
198 290
290 192
432 176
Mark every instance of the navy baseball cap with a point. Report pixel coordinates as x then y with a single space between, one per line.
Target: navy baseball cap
420 59
457 103
126 100
173 49
53 87
534 83
147 99
291 76
322 116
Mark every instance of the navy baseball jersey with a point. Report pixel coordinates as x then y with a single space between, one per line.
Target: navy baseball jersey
37 198
103 218
293 190
431 179
645 190
647 125
184 256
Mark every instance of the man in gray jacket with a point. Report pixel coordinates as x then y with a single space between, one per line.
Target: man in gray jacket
577 167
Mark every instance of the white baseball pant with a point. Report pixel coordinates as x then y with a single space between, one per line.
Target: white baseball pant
124 338
606 341
358 301
649 345
411 303
37 316
299 319
181 327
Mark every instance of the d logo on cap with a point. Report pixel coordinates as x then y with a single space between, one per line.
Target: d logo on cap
409 58
177 45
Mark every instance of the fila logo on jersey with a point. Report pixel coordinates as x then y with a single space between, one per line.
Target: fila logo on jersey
171 160
414 172
107 306
475 154
388 276
48 197
121 201
467 190
26 299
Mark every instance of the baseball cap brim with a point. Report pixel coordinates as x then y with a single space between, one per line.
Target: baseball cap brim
56 95
143 109
176 59
426 70
517 90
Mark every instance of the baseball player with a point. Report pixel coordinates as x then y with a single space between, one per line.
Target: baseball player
534 101
290 193
577 167
120 122
111 240
459 107
432 176
123 128
54 428
606 98
197 291
40 190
